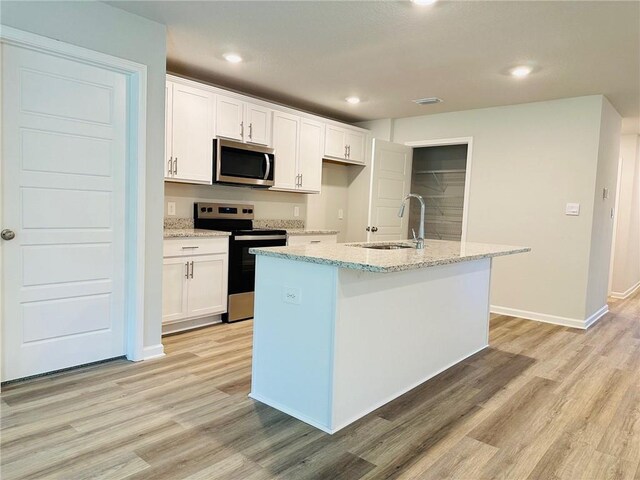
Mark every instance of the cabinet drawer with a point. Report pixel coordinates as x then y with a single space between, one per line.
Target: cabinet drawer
311 239
178 247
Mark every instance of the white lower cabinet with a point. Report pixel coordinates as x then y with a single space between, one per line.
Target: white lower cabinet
311 239
194 283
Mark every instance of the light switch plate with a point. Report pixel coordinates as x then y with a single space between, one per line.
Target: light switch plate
572 209
296 211
340 214
171 208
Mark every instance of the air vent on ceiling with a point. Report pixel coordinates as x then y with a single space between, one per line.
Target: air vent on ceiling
428 101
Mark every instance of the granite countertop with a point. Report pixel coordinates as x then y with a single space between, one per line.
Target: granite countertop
302 231
352 255
193 232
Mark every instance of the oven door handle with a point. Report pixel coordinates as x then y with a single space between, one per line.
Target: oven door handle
246 238
266 175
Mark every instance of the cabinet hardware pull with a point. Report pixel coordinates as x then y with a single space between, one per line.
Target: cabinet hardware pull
185 248
345 151
348 151
250 131
175 166
170 167
241 129
192 269
187 274
368 229
374 229
315 241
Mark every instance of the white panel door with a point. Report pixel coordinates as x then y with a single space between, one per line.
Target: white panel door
285 145
390 182
229 114
192 134
257 121
310 155
207 290
63 194
175 273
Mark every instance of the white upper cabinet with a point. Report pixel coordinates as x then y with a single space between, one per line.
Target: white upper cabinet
229 115
297 143
286 129
257 124
190 132
242 121
344 144
310 155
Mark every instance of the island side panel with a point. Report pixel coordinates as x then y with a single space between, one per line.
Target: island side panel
293 337
396 330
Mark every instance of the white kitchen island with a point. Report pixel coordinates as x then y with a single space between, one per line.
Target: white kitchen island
340 330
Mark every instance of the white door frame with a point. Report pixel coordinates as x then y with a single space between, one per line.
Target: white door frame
441 142
135 169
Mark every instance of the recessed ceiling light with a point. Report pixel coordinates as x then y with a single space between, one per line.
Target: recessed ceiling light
428 100
352 100
424 2
520 71
232 57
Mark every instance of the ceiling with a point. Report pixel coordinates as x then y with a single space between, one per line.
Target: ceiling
313 54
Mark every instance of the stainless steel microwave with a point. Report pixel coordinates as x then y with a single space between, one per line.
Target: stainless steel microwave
238 163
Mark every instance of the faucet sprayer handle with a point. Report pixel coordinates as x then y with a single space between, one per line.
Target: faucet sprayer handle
415 239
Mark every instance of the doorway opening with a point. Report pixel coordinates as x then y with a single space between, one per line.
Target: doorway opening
440 173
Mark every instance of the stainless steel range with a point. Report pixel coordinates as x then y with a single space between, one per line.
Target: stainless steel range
238 219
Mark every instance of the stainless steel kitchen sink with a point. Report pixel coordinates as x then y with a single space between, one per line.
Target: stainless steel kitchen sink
388 246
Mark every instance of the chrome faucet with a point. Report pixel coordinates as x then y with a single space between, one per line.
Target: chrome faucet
420 239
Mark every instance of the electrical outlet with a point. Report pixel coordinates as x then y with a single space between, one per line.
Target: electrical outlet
296 211
572 209
340 214
291 295
171 208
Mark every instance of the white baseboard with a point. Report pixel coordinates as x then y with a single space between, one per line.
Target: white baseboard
291 412
554 319
154 351
189 324
627 293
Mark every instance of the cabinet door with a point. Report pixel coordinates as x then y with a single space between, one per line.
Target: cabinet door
334 143
229 114
207 294
285 145
257 124
192 133
310 155
168 112
355 146
174 288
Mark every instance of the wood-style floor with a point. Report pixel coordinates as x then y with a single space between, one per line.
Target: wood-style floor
543 402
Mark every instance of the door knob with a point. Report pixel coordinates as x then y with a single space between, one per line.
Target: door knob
7 234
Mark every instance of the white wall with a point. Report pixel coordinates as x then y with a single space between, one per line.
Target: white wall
528 161
603 215
322 209
105 29
626 258
267 204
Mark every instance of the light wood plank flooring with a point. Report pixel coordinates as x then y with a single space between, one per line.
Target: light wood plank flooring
543 402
